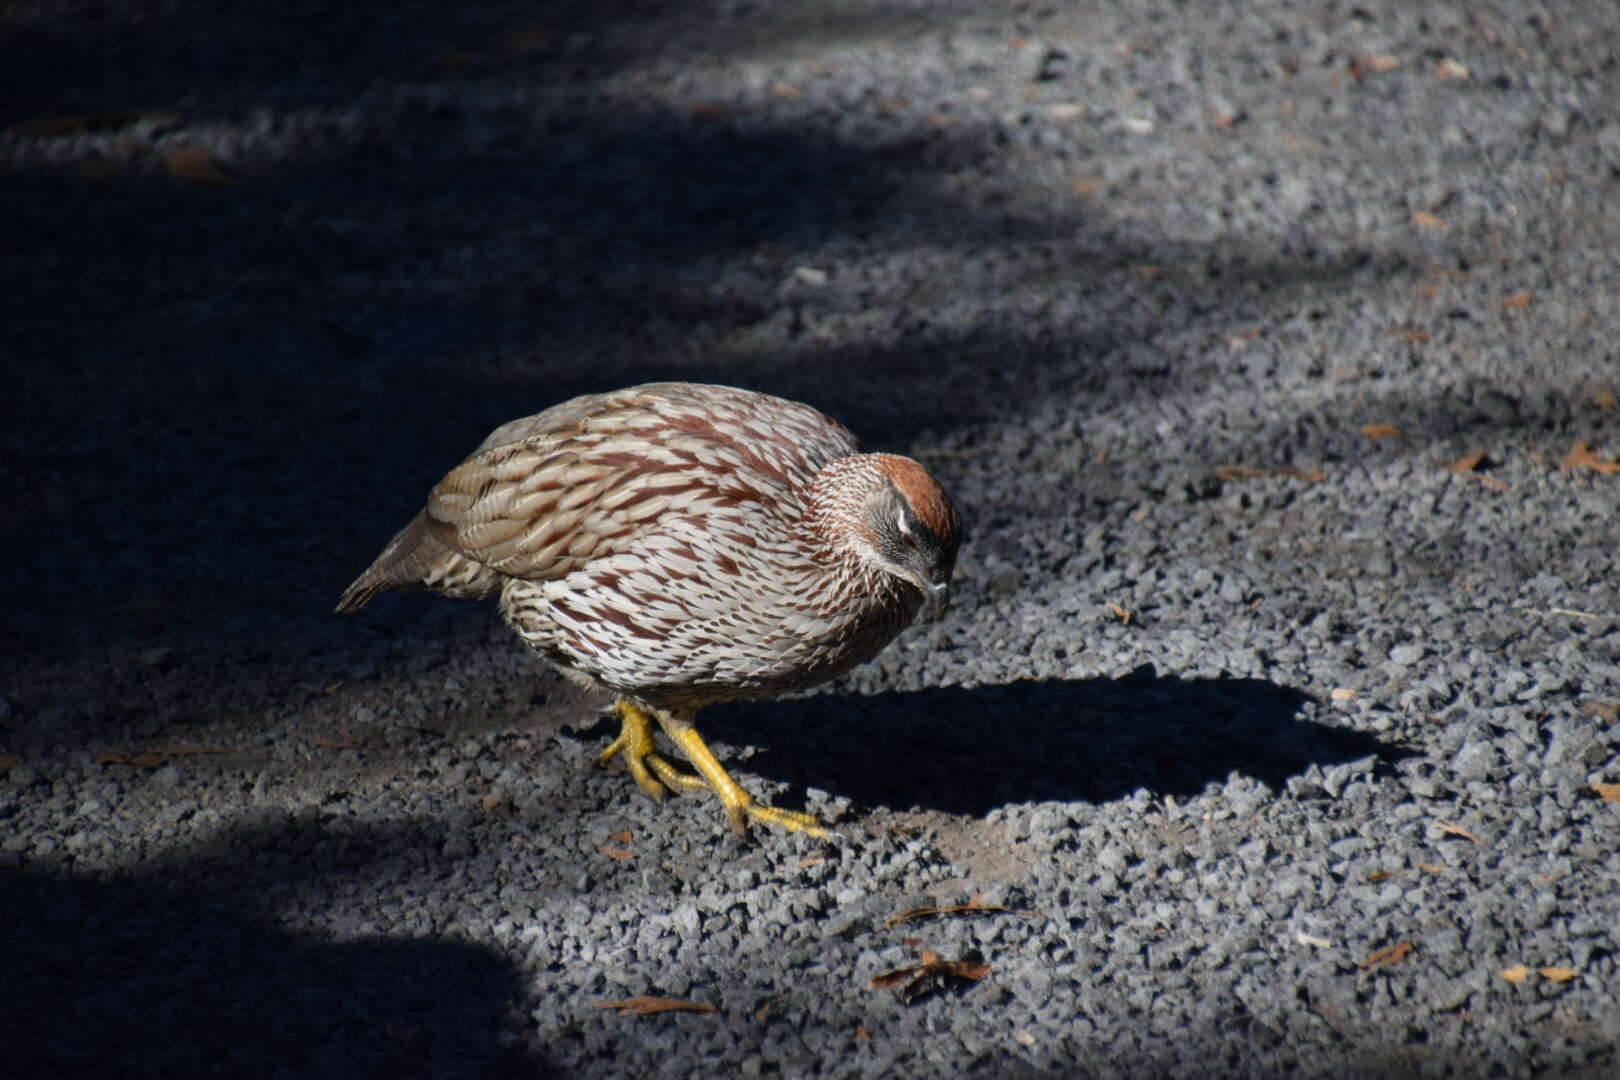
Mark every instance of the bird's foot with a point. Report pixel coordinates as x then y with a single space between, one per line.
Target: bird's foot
740 806
635 744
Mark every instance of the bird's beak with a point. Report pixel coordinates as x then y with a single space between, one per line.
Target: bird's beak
939 599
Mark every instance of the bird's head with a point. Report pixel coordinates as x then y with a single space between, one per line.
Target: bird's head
908 527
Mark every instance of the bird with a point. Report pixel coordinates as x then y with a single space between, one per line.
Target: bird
681 545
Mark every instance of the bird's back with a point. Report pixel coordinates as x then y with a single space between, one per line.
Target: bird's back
594 477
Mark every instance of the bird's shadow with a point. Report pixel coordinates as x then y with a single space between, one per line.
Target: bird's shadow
969 750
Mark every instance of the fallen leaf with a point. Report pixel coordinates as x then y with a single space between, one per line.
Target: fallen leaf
1456 830
1605 399
786 90
1449 69
197 165
1122 614
1383 875
49 125
1390 954
933 973
861 1034
619 854
1559 974
1432 867
623 836
1519 299
1342 693
811 860
708 110
140 759
1065 110
1425 220
1467 463
1582 454
150 757
1412 335
1311 939
1149 273
645 1005
1606 792
972 907
1249 472
1606 710
1379 431
769 1008
1085 186
1494 482
1517 973
1382 62
101 167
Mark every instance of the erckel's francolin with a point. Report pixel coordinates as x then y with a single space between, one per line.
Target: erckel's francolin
682 545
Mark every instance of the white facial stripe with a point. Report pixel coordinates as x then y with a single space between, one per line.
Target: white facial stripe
901 521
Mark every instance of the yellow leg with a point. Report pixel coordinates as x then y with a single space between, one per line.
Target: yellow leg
641 757
740 806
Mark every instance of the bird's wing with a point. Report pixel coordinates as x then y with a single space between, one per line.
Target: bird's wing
590 478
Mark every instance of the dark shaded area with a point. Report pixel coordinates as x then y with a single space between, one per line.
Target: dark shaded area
164 973
969 750
235 395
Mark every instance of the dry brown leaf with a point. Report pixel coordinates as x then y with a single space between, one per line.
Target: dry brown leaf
1582 454
1379 431
1607 792
1409 334
972 907
7 760
861 1034
708 110
1382 62
619 854
645 1005
1559 974
769 1008
1249 472
1383 875
197 165
101 167
1122 614
49 125
1432 867
1606 710
1468 462
1149 273
623 836
1495 482
1390 954
1425 220
1517 973
1605 399
1456 830
140 759
933 973
1085 186
812 860
1449 69
1519 299
786 90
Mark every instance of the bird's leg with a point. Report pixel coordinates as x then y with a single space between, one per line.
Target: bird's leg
641 757
740 806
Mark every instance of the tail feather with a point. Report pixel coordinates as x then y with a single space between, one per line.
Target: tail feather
402 562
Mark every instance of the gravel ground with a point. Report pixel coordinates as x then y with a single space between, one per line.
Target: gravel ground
1279 741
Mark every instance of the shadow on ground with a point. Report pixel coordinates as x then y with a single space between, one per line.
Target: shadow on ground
969 750
164 973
